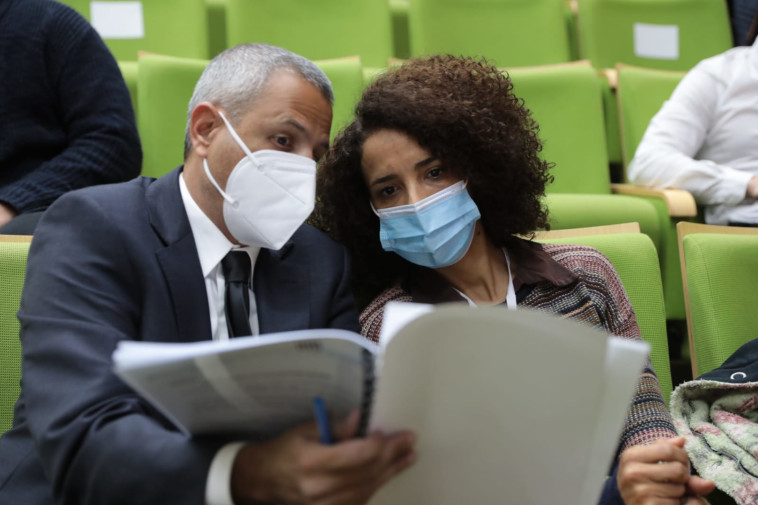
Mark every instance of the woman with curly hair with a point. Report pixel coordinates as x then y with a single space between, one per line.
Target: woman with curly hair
432 187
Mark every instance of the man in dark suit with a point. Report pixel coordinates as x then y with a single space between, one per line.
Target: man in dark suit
146 260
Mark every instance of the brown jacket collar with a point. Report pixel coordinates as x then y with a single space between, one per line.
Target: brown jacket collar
530 264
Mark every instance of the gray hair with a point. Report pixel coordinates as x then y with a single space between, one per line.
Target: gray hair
235 78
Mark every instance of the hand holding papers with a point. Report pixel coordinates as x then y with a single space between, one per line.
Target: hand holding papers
505 404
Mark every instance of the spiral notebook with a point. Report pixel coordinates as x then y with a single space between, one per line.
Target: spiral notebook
508 406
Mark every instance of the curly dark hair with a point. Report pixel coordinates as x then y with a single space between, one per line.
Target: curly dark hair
463 111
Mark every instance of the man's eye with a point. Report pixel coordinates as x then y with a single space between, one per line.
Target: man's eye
435 172
282 140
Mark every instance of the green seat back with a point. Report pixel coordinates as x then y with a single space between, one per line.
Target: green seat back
12 273
698 28
175 27
636 261
570 210
400 43
641 92
611 118
721 280
216 26
318 30
346 76
129 72
509 32
566 102
165 86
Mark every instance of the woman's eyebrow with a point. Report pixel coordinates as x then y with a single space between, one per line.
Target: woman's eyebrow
425 162
382 180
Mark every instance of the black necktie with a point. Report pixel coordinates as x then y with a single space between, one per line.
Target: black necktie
236 268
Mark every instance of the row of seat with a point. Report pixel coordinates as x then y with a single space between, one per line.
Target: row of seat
666 34
720 270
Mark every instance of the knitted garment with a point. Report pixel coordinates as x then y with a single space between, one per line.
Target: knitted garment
720 423
68 120
595 297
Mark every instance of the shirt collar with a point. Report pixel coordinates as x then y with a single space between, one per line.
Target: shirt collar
212 245
530 265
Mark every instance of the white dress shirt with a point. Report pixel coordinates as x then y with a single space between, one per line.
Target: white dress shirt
705 137
212 246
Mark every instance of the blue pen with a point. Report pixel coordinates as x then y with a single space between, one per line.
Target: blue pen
322 420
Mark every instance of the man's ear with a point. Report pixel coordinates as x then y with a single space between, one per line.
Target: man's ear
205 123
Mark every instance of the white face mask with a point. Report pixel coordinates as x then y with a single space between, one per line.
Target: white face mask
269 194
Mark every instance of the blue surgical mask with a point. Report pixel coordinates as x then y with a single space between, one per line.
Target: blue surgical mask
434 232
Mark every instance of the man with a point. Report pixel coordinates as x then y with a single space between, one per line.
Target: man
703 138
68 121
146 260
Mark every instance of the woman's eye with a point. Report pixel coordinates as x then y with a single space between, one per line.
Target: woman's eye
388 191
435 172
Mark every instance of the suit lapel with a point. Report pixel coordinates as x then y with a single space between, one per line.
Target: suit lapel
179 259
280 285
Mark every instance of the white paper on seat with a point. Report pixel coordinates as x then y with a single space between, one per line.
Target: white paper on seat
117 20
656 41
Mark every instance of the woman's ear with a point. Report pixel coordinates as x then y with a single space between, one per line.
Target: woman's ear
204 122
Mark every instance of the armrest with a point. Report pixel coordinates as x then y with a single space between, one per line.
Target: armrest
612 76
679 202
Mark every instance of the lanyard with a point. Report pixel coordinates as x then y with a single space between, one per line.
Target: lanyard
510 296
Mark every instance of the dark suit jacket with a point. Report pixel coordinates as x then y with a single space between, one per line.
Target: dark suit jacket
119 262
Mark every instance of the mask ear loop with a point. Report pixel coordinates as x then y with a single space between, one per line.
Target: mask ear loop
234 203
234 135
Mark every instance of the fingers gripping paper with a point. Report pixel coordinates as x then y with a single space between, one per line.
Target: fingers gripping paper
502 401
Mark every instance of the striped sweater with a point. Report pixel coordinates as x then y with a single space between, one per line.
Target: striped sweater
574 281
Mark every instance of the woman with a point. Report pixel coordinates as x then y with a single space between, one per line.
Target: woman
431 187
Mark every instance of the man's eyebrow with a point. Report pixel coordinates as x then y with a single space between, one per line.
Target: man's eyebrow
296 124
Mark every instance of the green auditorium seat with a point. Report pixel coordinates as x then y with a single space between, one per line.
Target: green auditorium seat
634 257
216 26
508 32
720 272
566 102
664 34
129 72
400 42
174 27
13 252
165 86
640 93
318 30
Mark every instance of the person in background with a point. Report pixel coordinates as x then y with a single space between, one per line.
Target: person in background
68 121
741 14
170 260
431 188
703 139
